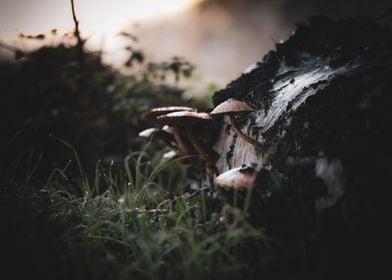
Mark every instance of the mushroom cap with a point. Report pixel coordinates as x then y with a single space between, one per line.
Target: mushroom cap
157 133
147 133
184 117
236 178
231 106
152 114
169 155
168 129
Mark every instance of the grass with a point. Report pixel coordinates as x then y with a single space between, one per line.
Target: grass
122 224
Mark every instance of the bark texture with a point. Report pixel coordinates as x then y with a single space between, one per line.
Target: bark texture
323 121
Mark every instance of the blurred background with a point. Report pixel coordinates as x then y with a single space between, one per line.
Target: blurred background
221 37
72 108
132 56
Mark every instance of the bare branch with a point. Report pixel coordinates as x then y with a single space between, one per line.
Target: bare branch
80 41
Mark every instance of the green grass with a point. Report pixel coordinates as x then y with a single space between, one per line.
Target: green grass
123 225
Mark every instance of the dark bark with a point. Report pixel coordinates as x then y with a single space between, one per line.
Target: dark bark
323 100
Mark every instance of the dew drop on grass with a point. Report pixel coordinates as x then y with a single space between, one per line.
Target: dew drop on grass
121 201
268 194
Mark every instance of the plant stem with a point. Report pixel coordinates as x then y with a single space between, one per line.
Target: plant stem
197 145
183 144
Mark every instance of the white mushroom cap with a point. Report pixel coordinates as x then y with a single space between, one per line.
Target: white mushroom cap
155 112
168 129
147 133
231 106
236 178
157 133
169 155
184 117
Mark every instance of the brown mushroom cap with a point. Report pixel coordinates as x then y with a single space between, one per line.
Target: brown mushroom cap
235 178
155 112
231 106
183 118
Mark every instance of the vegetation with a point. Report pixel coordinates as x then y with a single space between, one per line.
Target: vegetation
83 198
127 226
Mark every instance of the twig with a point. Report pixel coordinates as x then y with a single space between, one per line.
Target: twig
80 42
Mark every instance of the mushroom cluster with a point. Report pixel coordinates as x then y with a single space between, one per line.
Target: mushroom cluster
184 130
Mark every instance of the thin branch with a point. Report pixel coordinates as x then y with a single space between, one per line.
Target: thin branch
76 21
79 39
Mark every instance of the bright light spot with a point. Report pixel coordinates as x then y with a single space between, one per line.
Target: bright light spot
95 16
100 20
104 17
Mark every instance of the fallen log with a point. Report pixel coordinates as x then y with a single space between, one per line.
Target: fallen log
323 104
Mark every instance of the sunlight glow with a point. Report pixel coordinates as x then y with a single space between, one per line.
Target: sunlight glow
102 23
97 17
107 19
100 20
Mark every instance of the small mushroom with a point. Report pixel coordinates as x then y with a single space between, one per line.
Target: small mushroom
232 107
180 139
237 178
169 154
168 129
183 143
152 114
184 120
164 134
148 133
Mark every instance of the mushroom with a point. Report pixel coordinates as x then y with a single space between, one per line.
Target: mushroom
183 121
183 145
156 112
168 129
232 107
165 134
237 178
169 154
148 133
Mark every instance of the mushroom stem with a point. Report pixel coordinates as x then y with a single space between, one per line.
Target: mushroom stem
182 143
207 156
197 145
212 172
240 133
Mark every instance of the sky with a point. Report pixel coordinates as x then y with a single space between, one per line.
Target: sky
221 37
34 16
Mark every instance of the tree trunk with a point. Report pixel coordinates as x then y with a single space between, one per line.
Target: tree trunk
323 101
